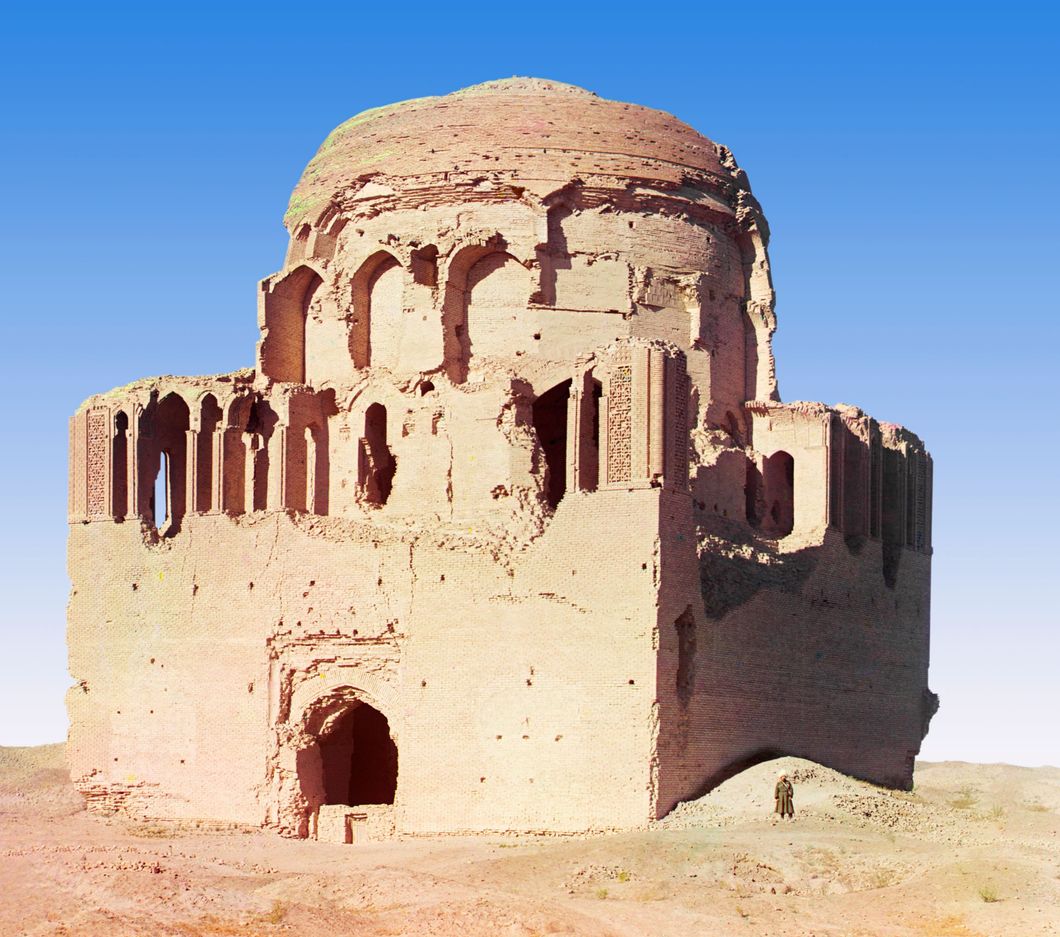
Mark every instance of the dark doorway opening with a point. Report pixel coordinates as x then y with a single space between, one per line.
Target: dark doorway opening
359 759
550 422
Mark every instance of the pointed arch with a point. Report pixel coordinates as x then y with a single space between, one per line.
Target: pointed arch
163 443
376 330
486 291
207 475
286 307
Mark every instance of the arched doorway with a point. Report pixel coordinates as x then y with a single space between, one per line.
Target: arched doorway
352 758
359 759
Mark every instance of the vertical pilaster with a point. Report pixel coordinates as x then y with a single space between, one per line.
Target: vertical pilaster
277 496
217 463
132 463
310 471
573 454
250 448
639 391
656 413
191 472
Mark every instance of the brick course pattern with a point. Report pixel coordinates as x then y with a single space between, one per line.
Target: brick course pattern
508 528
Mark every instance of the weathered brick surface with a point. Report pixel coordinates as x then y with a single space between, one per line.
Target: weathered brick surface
507 529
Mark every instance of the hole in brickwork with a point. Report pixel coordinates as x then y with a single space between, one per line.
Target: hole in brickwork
732 427
550 423
377 464
160 493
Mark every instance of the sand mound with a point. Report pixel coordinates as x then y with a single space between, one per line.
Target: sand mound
820 794
36 777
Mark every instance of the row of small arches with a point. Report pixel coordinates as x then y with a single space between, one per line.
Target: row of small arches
485 287
168 464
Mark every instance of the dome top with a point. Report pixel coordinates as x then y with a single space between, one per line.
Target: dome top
531 132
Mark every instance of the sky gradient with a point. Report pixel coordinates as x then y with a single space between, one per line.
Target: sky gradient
907 158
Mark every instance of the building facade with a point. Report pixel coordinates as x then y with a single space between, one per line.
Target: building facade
507 528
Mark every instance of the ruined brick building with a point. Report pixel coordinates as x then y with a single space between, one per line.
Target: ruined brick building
507 528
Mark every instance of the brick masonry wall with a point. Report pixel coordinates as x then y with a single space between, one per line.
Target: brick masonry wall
812 655
518 688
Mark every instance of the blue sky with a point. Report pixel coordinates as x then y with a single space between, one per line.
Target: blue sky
906 157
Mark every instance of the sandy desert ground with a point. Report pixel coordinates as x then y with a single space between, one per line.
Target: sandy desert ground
973 850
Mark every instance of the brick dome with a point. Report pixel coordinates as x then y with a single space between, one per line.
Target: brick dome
528 132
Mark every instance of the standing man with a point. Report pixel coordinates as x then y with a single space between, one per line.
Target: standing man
784 795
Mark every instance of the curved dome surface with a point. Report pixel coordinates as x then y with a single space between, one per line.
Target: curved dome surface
537 133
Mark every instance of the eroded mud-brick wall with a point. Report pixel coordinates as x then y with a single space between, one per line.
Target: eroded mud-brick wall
507 528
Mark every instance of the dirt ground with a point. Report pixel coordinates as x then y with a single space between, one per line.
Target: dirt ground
973 850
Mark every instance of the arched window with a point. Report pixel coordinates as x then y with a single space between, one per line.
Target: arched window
206 458
770 494
486 294
120 466
164 458
245 478
778 478
377 330
587 444
498 288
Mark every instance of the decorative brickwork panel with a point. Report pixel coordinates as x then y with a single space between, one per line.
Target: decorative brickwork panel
96 462
619 425
679 454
